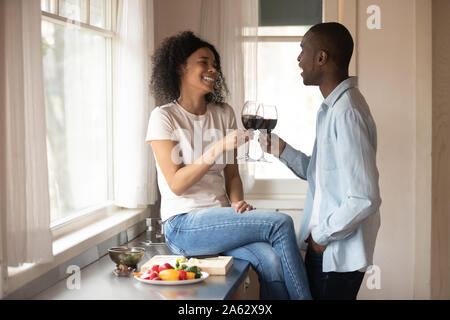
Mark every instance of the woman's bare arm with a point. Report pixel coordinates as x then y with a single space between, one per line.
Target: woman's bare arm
233 185
181 177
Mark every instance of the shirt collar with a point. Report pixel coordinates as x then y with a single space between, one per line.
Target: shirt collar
351 82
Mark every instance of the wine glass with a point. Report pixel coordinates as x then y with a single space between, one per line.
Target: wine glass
248 117
270 119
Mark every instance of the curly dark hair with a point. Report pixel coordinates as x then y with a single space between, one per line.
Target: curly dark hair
173 52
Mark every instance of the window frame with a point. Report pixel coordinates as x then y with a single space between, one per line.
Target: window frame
332 10
277 194
75 234
82 218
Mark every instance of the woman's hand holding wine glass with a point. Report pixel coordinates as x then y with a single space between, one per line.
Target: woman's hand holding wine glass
249 118
234 139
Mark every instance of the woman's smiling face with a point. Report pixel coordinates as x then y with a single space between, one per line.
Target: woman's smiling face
199 72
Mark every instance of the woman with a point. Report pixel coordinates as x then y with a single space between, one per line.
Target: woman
202 203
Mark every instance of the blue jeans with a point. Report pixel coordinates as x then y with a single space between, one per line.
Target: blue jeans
267 263
223 230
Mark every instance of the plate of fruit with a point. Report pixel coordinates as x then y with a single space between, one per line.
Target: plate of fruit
166 275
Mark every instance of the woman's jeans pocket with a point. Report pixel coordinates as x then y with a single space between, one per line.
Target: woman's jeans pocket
170 229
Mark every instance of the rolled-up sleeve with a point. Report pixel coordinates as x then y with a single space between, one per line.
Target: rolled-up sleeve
295 160
356 156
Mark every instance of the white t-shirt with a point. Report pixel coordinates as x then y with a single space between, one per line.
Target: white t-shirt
194 134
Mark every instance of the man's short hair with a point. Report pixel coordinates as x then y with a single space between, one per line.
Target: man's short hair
336 40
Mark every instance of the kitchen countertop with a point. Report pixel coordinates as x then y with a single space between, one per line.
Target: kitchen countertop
98 282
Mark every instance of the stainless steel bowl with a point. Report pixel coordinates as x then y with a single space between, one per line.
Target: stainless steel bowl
129 257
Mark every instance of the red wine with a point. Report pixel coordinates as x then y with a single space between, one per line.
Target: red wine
269 124
247 121
252 122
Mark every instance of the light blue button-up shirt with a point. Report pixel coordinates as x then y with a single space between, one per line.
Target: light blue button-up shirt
349 216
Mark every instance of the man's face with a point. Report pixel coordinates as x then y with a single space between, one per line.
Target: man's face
307 61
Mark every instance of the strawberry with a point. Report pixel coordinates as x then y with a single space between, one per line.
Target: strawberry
165 266
154 275
182 275
146 276
155 268
157 278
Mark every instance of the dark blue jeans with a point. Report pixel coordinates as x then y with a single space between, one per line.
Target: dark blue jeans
330 285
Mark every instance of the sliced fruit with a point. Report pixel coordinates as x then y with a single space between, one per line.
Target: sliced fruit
155 267
182 275
169 275
190 275
146 276
154 275
165 266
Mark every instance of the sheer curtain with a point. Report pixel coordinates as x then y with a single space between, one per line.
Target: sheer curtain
25 205
134 166
231 26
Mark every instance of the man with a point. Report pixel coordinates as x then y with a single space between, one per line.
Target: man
341 215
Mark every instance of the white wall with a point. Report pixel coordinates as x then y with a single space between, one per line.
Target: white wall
385 64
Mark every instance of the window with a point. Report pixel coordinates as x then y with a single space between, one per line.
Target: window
281 27
76 45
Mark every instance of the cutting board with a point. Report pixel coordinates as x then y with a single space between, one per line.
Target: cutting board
214 266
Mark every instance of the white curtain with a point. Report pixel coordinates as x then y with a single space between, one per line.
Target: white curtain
25 204
134 166
231 26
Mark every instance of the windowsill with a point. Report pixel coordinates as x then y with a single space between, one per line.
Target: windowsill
277 203
76 242
279 188
281 194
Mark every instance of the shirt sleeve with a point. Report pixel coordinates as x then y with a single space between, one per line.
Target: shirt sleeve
357 163
295 160
159 126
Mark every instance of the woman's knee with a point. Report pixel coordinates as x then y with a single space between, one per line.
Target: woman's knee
285 220
276 216
274 268
269 262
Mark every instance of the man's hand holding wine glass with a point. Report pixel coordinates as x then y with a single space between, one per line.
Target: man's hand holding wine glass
271 143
